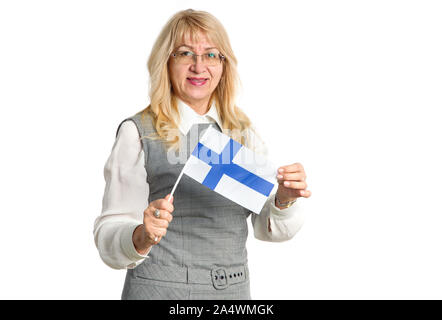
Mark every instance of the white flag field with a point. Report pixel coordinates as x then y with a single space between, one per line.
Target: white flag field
231 169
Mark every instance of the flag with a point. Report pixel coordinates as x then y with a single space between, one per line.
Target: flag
232 170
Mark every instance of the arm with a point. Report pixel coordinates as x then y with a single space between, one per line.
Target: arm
277 225
124 200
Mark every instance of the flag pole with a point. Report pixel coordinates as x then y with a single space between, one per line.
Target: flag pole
176 183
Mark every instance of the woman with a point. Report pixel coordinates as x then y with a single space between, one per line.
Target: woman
193 83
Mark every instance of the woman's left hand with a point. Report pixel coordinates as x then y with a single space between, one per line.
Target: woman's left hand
292 185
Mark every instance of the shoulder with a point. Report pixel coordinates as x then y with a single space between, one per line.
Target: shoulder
127 146
138 123
128 131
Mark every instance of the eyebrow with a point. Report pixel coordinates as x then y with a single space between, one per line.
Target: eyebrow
185 45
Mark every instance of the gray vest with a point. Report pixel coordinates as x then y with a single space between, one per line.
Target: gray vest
203 255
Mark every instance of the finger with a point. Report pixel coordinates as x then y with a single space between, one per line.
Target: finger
155 238
160 223
157 232
305 193
295 167
167 216
295 184
298 176
161 232
153 212
163 204
167 198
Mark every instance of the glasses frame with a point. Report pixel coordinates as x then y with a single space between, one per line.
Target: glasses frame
195 56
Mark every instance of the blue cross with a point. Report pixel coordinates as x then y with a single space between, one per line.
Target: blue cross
222 164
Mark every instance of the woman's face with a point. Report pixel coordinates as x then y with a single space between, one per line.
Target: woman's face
184 77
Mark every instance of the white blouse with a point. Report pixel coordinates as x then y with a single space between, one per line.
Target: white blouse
126 197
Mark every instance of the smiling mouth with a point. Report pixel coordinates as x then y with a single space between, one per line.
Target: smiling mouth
197 81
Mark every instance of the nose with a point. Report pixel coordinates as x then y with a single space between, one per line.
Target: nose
198 66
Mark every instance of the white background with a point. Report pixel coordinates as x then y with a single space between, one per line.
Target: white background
351 89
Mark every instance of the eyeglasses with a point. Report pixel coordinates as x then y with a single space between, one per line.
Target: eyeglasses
188 57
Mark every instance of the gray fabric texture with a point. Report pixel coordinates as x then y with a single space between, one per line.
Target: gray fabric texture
203 255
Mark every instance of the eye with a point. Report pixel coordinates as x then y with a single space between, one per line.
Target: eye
211 55
185 53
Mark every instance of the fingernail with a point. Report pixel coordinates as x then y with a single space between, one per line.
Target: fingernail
279 176
280 170
286 183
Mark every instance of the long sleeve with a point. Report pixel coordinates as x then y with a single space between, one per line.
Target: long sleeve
124 201
274 224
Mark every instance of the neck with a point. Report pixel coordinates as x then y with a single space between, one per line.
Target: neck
200 107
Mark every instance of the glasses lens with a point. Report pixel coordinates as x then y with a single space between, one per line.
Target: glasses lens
184 57
187 57
211 59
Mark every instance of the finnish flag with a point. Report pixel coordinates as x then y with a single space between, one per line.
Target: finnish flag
232 170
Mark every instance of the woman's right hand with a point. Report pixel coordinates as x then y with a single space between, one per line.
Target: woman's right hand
153 227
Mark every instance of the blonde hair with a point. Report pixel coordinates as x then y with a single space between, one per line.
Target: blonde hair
163 102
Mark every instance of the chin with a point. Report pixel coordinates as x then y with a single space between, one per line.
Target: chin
197 96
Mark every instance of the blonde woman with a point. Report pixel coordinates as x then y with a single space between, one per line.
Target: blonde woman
193 81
